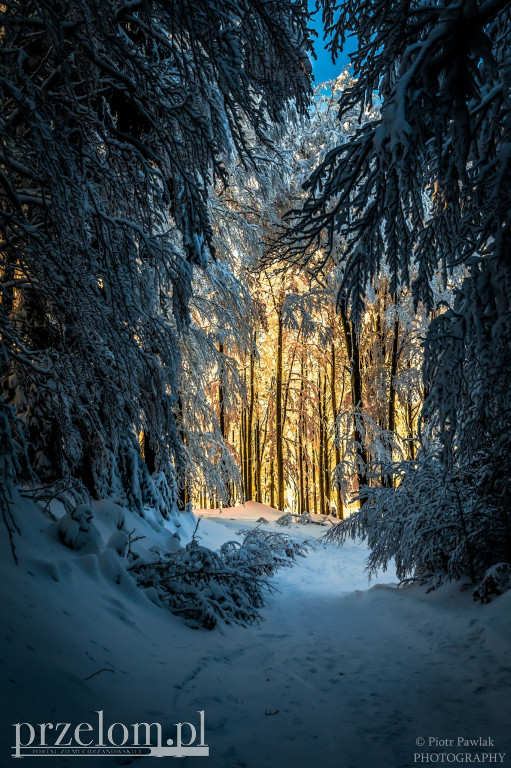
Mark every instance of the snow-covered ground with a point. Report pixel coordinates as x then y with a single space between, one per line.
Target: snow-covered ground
340 674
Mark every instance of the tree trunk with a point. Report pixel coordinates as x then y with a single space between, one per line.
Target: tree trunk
314 487
337 452
148 453
182 479
409 420
259 495
301 502
250 421
356 388
243 450
326 454
306 472
321 462
392 389
221 396
278 412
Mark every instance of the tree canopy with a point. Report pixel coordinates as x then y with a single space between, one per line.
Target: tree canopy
117 118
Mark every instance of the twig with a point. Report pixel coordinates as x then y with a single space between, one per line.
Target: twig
105 669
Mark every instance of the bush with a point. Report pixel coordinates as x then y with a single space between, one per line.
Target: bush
434 524
204 586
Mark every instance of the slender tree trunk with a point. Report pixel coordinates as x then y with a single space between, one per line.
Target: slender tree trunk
409 419
306 472
392 388
321 461
272 484
301 502
411 436
279 416
183 496
356 388
393 372
250 422
337 452
148 453
326 453
314 486
301 496
243 447
221 396
259 494
7 302
222 419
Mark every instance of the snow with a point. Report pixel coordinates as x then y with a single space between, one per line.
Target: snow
251 510
339 674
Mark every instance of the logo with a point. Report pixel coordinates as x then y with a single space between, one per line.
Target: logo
142 739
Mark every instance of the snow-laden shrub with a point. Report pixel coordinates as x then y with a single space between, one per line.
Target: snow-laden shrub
496 581
264 551
77 530
304 519
433 524
204 586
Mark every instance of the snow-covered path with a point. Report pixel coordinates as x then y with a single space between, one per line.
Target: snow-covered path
337 675
356 675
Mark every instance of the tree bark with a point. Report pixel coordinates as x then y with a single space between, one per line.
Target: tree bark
326 454
278 414
221 396
257 441
321 478
392 390
314 486
337 452
301 502
356 388
148 453
250 422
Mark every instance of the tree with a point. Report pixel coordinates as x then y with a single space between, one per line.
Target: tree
425 177
426 182
117 118
307 401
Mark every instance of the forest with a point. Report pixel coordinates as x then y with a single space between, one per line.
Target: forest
224 282
218 285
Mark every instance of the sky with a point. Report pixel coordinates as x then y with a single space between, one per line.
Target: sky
323 68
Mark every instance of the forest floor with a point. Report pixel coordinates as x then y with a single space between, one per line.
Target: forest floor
339 674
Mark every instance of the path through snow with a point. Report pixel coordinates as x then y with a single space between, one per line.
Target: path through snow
337 675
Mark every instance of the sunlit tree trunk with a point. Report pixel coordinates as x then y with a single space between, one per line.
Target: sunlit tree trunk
337 452
314 486
278 413
243 450
409 419
221 395
257 446
321 460
392 386
352 346
250 421
183 496
326 452
306 479
301 502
